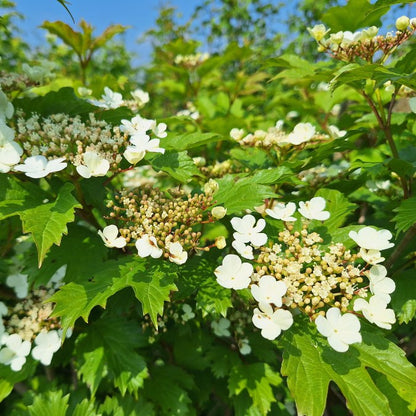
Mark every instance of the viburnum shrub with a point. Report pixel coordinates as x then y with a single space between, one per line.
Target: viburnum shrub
181 259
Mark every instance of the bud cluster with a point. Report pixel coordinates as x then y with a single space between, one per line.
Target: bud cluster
347 46
169 217
70 137
191 61
12 81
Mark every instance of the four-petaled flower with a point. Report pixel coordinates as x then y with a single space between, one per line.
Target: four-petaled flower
247 231
380 284
371 239
176 253
109 99
19 283
147 246
15 351
314 209
269 290
244 250
282 211
302 132
109 235
375 311
233 274
47 343
340 330
95 165
39 166
271 323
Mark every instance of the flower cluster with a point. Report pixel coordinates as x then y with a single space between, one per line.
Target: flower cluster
277 137
328 283
347 46
159 224
191 61
29 321
12 81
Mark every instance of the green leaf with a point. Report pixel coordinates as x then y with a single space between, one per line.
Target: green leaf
152 283
189 140
310 365
108 350
167 387
338 206
258 380
85 408
238 195
54 102
406 214
126 406
178 165
403 299
50 403
48 222
69 36
108 34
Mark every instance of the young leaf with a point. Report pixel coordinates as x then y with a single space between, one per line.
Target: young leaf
189 140
406 214
50 403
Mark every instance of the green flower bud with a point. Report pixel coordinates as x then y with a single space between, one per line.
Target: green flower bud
402 23
218 212
318 32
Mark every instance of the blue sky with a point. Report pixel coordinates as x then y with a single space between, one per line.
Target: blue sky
140 15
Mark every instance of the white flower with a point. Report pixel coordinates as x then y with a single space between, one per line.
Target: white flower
271 323
19 283
220 328
187 312
247 231
39 166
380 284
237 134
318 32
244 347
269 290
140 96
56 280
6 107
147 246
233 274
335 132
371 256
341 330
160 130
282 211
3 310
218 212
110 99
47 343
137 125
15 351
94 165
176 253
302 132
133 155
140 144
243 250
109 236
10 151
314 209
371 239
375 311
6 133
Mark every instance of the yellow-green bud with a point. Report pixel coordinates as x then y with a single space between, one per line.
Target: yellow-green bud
220 242
211 187
218 212
413 22
402 23
318 32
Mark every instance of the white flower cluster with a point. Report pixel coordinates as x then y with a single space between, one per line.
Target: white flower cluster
26 323
276 136
364 44
191 60
93 148
10 151
303 278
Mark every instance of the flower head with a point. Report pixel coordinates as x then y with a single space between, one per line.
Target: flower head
244 250
271 323
176 253
282 211
147 246
247 231
47 343
109 236
19 283
269 290
94 165
371 239
314 209
109 99
302 132
341 330
10 151
233 274
39 166
380 284
371 256
375 311
15 351
141 97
